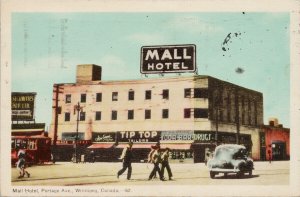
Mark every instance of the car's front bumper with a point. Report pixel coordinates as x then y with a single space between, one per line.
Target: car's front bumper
224 170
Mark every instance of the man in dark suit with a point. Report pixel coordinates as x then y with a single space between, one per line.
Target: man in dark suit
127 159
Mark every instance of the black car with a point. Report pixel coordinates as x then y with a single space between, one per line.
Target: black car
230 158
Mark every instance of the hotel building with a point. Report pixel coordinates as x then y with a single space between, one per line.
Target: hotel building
189 114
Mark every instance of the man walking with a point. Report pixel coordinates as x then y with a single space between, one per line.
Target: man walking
21 164
126 157
165 163
155 159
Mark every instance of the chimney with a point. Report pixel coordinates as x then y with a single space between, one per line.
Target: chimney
86 73
275 122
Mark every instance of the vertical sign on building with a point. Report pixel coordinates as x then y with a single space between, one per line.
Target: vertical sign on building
168 59
22 105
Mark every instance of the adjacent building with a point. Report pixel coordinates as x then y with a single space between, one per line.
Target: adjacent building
26 134
275 140
188 114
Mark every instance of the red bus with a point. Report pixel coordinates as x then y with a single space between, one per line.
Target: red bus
37 149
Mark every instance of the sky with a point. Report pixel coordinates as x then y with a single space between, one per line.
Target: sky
247 49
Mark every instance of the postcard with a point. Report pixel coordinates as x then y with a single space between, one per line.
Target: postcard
150 98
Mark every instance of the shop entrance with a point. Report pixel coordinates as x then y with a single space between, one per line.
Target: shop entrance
278 150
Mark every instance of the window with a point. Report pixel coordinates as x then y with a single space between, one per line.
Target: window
131 95
148 94
82 116
200 113
67 117
114 96
99 97
147 114
187 113
83 98
130 114
114 115
68 98
165 94
98 115
200 93
187 93
165 113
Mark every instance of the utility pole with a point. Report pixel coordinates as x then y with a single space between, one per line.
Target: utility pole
78 109
57 109
237 116
217 118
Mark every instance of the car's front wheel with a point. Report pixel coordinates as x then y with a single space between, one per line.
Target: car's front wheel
212 174
250 173
240 174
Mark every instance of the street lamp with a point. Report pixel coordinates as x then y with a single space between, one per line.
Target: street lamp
77 108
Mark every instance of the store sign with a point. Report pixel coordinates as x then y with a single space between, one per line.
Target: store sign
22 105
168 59
103 137
138 136
203 137
71 136
177 135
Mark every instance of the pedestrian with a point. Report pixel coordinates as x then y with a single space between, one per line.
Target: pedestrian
21 164
165 163
127 159
156 159
150 160
270 156
92 157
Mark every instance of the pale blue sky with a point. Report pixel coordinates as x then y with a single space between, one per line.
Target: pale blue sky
113 40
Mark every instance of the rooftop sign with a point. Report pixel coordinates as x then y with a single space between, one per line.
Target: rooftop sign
22 105
168 59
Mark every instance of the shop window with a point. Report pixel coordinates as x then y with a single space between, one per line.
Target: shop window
13 143
187 113
187 92
147 114
200 93
67 116
21 144
200 113
130 114
82 116
165 94
98 97
148 94
83 98
32 144
131 95
68 98
165 113
115 96
98 115
114 115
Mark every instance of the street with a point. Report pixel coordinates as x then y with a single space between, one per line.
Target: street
71 174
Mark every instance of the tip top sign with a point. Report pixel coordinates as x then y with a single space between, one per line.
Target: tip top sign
168 59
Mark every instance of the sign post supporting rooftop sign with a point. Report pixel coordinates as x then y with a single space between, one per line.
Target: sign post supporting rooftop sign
168 59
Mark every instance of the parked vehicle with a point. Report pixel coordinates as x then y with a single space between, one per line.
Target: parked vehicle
230 158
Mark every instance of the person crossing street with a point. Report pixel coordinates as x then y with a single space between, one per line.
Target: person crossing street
156 159
127 159
165 163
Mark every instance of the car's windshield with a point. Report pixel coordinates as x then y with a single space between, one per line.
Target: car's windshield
228 153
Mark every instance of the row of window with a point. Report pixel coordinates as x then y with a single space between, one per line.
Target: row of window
188 113
188 93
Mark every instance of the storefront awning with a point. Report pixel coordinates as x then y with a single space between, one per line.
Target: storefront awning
141 145
176 146
101 145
